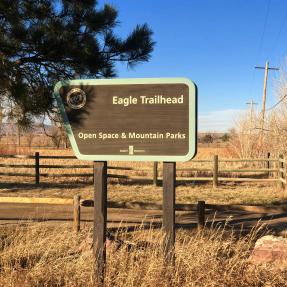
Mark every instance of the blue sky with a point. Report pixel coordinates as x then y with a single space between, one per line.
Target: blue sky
216 43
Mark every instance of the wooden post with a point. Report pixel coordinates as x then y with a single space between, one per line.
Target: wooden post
77 213
37 167
100 220
155 173
268 163
169 180
282 166
200 214
215 171
280 175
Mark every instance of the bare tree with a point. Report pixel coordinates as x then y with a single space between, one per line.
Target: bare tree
244 137
29 138
56 137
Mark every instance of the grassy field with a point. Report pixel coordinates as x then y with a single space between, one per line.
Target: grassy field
256 194
60 258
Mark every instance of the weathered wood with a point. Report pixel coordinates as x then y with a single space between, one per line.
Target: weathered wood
17 174
126 168
91 175
58 157
65 166
17 165
235 179
37 168
169 181
215 171
140 205
100 221
200 214
194 169
16 156
248 160
242 179
268 164
67 174
155 173
88 166
201 160
248 170
61 201
280 173
77 213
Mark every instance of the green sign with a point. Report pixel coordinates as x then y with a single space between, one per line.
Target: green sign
153 119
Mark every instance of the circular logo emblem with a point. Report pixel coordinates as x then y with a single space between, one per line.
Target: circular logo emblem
76 98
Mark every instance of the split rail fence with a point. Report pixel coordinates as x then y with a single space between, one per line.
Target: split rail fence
78 203
272 169
200 208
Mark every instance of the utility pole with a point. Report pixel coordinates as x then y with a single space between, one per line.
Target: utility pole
266 68
251 103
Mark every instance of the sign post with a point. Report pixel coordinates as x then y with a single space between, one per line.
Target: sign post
130 120
169 180
100 220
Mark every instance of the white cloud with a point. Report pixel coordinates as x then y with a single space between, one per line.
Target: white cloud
218 121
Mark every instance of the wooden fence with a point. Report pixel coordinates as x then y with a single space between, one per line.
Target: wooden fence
273 170
199 209
78 203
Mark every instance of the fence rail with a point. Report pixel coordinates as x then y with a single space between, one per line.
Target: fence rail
200 208
275 166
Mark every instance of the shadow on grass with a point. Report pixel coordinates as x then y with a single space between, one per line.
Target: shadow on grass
14 187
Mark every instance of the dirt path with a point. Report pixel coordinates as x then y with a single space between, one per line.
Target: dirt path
15 213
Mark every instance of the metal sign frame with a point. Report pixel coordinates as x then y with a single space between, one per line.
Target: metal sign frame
170 158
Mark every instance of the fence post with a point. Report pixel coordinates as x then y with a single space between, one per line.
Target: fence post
280 174
200 214
37 167
155 173
268 164
77 213
215 171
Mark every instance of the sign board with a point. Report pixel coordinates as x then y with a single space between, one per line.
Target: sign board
130 119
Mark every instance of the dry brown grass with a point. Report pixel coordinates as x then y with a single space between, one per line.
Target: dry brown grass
42 255
256 194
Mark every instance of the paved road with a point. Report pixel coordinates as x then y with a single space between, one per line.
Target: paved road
13 213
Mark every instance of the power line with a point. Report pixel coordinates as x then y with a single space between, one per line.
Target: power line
260 46
279 102
264 30
279 34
